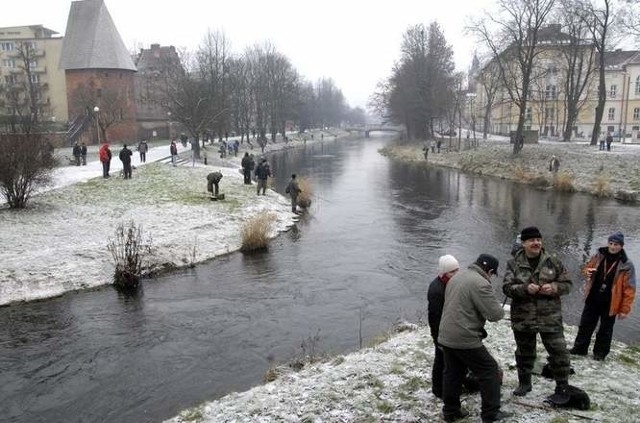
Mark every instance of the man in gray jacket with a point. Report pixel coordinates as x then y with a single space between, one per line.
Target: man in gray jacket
469 302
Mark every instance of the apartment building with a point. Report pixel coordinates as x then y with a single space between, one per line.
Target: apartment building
44 48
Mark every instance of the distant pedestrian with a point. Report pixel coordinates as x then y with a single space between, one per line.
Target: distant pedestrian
83 154
213 179
246 168
293 189
438 144
425 150
77 152
602 141
105 158
609 140
236 147
173 148
143 147
554 164
125 158
263 172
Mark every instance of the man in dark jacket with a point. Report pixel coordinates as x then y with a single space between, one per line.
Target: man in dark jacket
263 171
213 179
293 189
609 292
246 168
77 152
125 158
469 302
535 280
447 267
83 154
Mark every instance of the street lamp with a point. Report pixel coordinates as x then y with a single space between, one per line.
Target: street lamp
169 125
96 110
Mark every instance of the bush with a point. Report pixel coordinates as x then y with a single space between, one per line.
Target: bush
26 163
601 186
255 232
129 251
304 198
563 182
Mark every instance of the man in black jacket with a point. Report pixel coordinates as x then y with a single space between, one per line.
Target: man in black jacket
125 158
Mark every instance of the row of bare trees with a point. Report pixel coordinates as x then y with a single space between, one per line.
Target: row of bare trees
257 92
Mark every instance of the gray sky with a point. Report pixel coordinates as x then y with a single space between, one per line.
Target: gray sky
355 42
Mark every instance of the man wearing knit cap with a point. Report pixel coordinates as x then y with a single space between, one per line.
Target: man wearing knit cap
610 290
447 267
469 302
535 280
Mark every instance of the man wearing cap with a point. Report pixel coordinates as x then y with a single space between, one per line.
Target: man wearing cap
448 266
469 302
535 280
609 291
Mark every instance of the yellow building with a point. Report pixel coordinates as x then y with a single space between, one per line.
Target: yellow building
50 80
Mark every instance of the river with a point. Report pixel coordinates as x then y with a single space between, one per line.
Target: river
359 261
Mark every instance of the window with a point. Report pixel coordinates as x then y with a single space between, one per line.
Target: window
612 91
527 114
9 63
33 64
636 113
549 113
34 78
6 46
638 85
10 79
551 92
612 113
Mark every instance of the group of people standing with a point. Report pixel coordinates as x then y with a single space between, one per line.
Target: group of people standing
79 154
105 156
461 301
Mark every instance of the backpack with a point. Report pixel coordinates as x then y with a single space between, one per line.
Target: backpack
573 397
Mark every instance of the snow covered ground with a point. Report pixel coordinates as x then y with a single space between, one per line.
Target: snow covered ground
59 243
390 382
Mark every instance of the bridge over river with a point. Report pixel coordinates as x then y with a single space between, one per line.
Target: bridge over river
367 129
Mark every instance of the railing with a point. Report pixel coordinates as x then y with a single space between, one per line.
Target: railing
77 127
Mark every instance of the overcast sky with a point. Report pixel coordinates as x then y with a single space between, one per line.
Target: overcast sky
355 42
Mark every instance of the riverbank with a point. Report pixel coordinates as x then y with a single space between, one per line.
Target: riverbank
612 174
59 244
391 382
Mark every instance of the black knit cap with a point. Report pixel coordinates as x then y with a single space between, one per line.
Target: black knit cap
488 262
529 233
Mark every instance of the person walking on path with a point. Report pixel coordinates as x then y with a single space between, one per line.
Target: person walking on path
554 164
143 148
246 168
448 266
77 152
609 140
469 302
263 172
83 154
293 189
125 158
173 148
609 292
105 158
535 280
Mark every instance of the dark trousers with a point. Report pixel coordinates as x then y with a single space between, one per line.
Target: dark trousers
437 372
212 187
105 169
143 157
591 314
555 345
484 367
127 170
294 203
247 176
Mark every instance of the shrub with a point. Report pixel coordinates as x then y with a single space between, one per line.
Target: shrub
255 232
522 175
563 182
601 186
129 251
26 163
304 198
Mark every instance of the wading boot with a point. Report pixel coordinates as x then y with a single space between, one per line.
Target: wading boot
524 385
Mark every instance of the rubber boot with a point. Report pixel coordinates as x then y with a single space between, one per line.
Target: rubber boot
524 385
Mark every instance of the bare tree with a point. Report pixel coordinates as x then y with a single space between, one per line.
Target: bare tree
491 81
514 49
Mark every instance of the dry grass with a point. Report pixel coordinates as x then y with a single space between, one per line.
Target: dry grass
255 232
563 182
522 175
304 199
601 186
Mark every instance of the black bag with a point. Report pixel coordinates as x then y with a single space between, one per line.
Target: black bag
572 397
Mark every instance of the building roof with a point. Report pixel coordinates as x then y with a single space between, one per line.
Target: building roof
92 41
26 31
619 58
157 58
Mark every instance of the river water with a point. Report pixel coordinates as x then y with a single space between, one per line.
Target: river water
359 261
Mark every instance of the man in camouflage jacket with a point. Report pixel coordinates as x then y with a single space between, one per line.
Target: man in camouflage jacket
535 280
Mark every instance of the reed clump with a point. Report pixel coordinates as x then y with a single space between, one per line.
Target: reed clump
601 185
256 232
306 192
563 182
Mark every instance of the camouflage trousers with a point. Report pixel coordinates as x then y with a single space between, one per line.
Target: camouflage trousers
555 345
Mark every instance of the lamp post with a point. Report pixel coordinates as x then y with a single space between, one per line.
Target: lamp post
169 125
96 110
